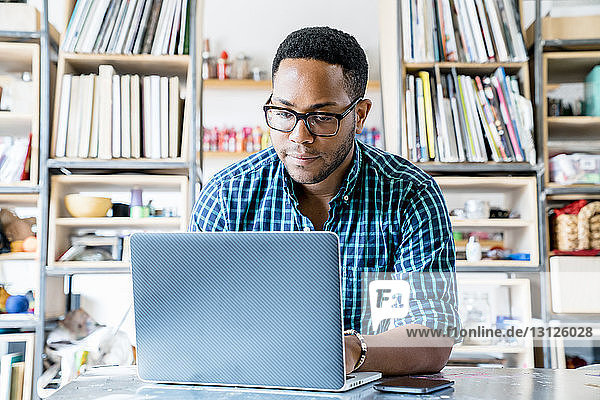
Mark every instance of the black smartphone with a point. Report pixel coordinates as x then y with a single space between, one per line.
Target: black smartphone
407 384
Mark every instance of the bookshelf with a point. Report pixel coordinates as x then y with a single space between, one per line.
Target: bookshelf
28 47
172 177
163 190
564 50
18 58
514 185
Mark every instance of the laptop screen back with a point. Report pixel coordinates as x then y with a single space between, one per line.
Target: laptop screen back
239 308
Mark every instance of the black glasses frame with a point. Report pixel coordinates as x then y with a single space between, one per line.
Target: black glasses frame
304 116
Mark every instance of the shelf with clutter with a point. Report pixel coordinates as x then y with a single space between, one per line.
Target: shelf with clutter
571 117
493 302
494 220
19 113
19 265
89 229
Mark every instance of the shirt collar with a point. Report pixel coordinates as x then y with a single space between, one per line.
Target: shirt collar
349 181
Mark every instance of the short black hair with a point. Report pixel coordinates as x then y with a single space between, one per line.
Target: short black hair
331 46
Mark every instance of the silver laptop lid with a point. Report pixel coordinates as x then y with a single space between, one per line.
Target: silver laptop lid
239 308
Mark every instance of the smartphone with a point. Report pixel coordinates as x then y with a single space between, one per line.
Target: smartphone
407 384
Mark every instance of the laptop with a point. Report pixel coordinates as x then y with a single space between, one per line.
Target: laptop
248 309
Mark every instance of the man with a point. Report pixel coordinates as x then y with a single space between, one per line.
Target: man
390 216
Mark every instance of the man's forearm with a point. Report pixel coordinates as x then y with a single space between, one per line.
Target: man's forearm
394 353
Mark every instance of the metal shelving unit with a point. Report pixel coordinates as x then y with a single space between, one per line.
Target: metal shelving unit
547 190
506 170
48 167
42 37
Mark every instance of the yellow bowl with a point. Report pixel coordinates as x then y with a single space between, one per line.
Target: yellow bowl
87 206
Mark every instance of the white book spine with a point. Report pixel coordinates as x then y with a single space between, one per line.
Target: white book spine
487 35
451 47
497 31
124 29
406 28
164 117
473 21
182 31
63 117
135 117
105 114
95 120
76 24
456 119
133 27
87 103
147 117
116 116
86 43
515 31
167 27
475 121
175 27
126 116
155 117
160 29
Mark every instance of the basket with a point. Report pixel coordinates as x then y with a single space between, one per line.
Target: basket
579 231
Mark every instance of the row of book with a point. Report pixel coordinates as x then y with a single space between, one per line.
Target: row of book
154 27
462 31
15 158
12 376
457 118
118 116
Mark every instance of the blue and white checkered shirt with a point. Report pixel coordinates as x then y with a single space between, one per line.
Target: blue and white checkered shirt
390 217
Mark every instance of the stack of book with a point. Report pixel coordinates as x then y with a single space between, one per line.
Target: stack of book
154 27
15 158
118 116
457 118
462 31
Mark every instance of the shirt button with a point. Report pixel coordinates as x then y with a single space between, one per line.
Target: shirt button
306 229
346 198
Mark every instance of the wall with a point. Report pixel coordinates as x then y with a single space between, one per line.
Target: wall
256 28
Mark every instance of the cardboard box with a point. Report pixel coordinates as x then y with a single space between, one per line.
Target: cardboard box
566 28
574 284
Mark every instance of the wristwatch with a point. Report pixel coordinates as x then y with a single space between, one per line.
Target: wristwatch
363 347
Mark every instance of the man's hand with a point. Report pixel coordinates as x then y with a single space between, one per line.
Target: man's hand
353 350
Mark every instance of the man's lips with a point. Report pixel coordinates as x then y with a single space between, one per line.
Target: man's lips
305 156
302 158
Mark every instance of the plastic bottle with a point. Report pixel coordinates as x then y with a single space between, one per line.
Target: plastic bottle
473 249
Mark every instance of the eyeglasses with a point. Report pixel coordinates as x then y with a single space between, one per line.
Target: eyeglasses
318 123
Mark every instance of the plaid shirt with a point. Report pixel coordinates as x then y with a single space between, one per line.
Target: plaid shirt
390 217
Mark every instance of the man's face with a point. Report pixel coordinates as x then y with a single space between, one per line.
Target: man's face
305 85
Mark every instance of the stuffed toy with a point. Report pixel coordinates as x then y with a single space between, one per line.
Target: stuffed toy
3 297
17 230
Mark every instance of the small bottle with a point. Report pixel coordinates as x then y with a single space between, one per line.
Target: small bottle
209 68
473 249
136 208
223 66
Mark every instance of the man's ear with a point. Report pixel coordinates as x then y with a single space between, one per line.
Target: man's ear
362 110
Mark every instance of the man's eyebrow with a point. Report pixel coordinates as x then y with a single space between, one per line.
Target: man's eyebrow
312 107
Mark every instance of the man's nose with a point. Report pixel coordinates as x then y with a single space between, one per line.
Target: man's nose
300 134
